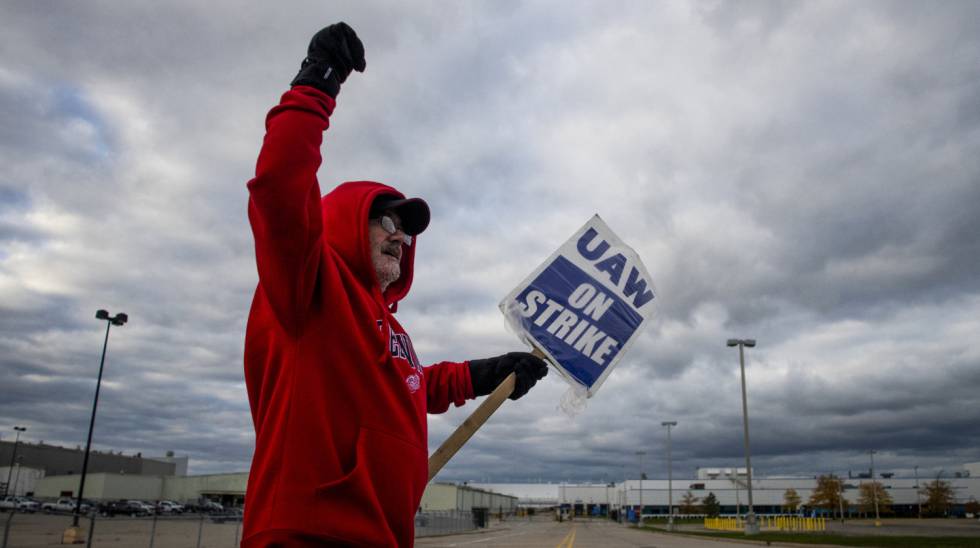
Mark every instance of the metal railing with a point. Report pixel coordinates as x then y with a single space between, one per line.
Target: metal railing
770 523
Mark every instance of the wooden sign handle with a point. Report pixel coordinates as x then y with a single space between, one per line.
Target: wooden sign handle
457 439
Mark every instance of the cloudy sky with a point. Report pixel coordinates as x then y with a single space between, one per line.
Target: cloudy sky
805 174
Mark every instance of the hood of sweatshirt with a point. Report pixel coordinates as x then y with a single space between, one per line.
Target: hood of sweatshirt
345 229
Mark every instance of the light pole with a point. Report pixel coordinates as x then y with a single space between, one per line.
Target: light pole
738 498
626 497
874 487
118 320
18 429
918 496
20 463
840 499
639 517
751 527
670 479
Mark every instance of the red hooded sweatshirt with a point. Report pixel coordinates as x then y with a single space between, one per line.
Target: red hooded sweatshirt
338 396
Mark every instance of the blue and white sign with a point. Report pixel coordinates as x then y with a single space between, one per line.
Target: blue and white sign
585 305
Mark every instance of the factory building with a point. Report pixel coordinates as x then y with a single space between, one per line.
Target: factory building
55 460
48 472
450 496
729 486
22 479
227 489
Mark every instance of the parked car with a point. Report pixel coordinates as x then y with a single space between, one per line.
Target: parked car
149 508
64 505
20 504
169 507
212 507
124 507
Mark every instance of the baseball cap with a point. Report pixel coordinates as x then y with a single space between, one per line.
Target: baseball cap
414 212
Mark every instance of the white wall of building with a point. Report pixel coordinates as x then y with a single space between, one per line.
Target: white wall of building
765 491
449 496
101 486
190 488
23 479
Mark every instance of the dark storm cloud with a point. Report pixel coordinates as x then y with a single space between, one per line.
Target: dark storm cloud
805 174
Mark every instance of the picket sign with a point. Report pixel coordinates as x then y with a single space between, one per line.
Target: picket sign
580 310
585 305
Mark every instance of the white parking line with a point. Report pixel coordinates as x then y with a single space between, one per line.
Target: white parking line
488 539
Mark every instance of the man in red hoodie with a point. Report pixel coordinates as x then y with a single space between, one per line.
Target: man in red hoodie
338 396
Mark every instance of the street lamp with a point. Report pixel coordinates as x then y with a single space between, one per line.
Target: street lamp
18 429
20 464
117 320
751 527
670 479
639 519
874 487
918 496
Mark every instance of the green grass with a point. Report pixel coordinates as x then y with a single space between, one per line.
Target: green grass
842 540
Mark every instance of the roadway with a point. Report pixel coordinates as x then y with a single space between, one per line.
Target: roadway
580 533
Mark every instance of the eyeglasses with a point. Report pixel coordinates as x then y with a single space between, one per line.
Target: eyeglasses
388 224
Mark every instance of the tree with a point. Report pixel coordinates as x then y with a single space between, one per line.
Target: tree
939 497
689 504
711 505
791 500
972 506
827 494
866 498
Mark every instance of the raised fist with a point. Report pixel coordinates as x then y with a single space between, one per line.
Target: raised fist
334 52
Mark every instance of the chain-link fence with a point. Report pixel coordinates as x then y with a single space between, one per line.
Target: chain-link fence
34 530
432 523
24 530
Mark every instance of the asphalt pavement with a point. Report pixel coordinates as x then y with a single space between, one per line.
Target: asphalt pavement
583 533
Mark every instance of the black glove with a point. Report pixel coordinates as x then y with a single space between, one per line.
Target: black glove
333 53
487 374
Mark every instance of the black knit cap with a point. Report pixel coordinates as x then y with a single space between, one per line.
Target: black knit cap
414 212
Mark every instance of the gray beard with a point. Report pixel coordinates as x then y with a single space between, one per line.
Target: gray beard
387 273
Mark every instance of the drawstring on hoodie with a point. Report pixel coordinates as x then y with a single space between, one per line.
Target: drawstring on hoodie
385 327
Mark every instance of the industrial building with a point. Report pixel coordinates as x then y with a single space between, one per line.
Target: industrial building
227 489
451 496
48 472
729 486
63 461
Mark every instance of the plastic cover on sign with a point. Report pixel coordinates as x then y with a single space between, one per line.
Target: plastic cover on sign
574 400
584 306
